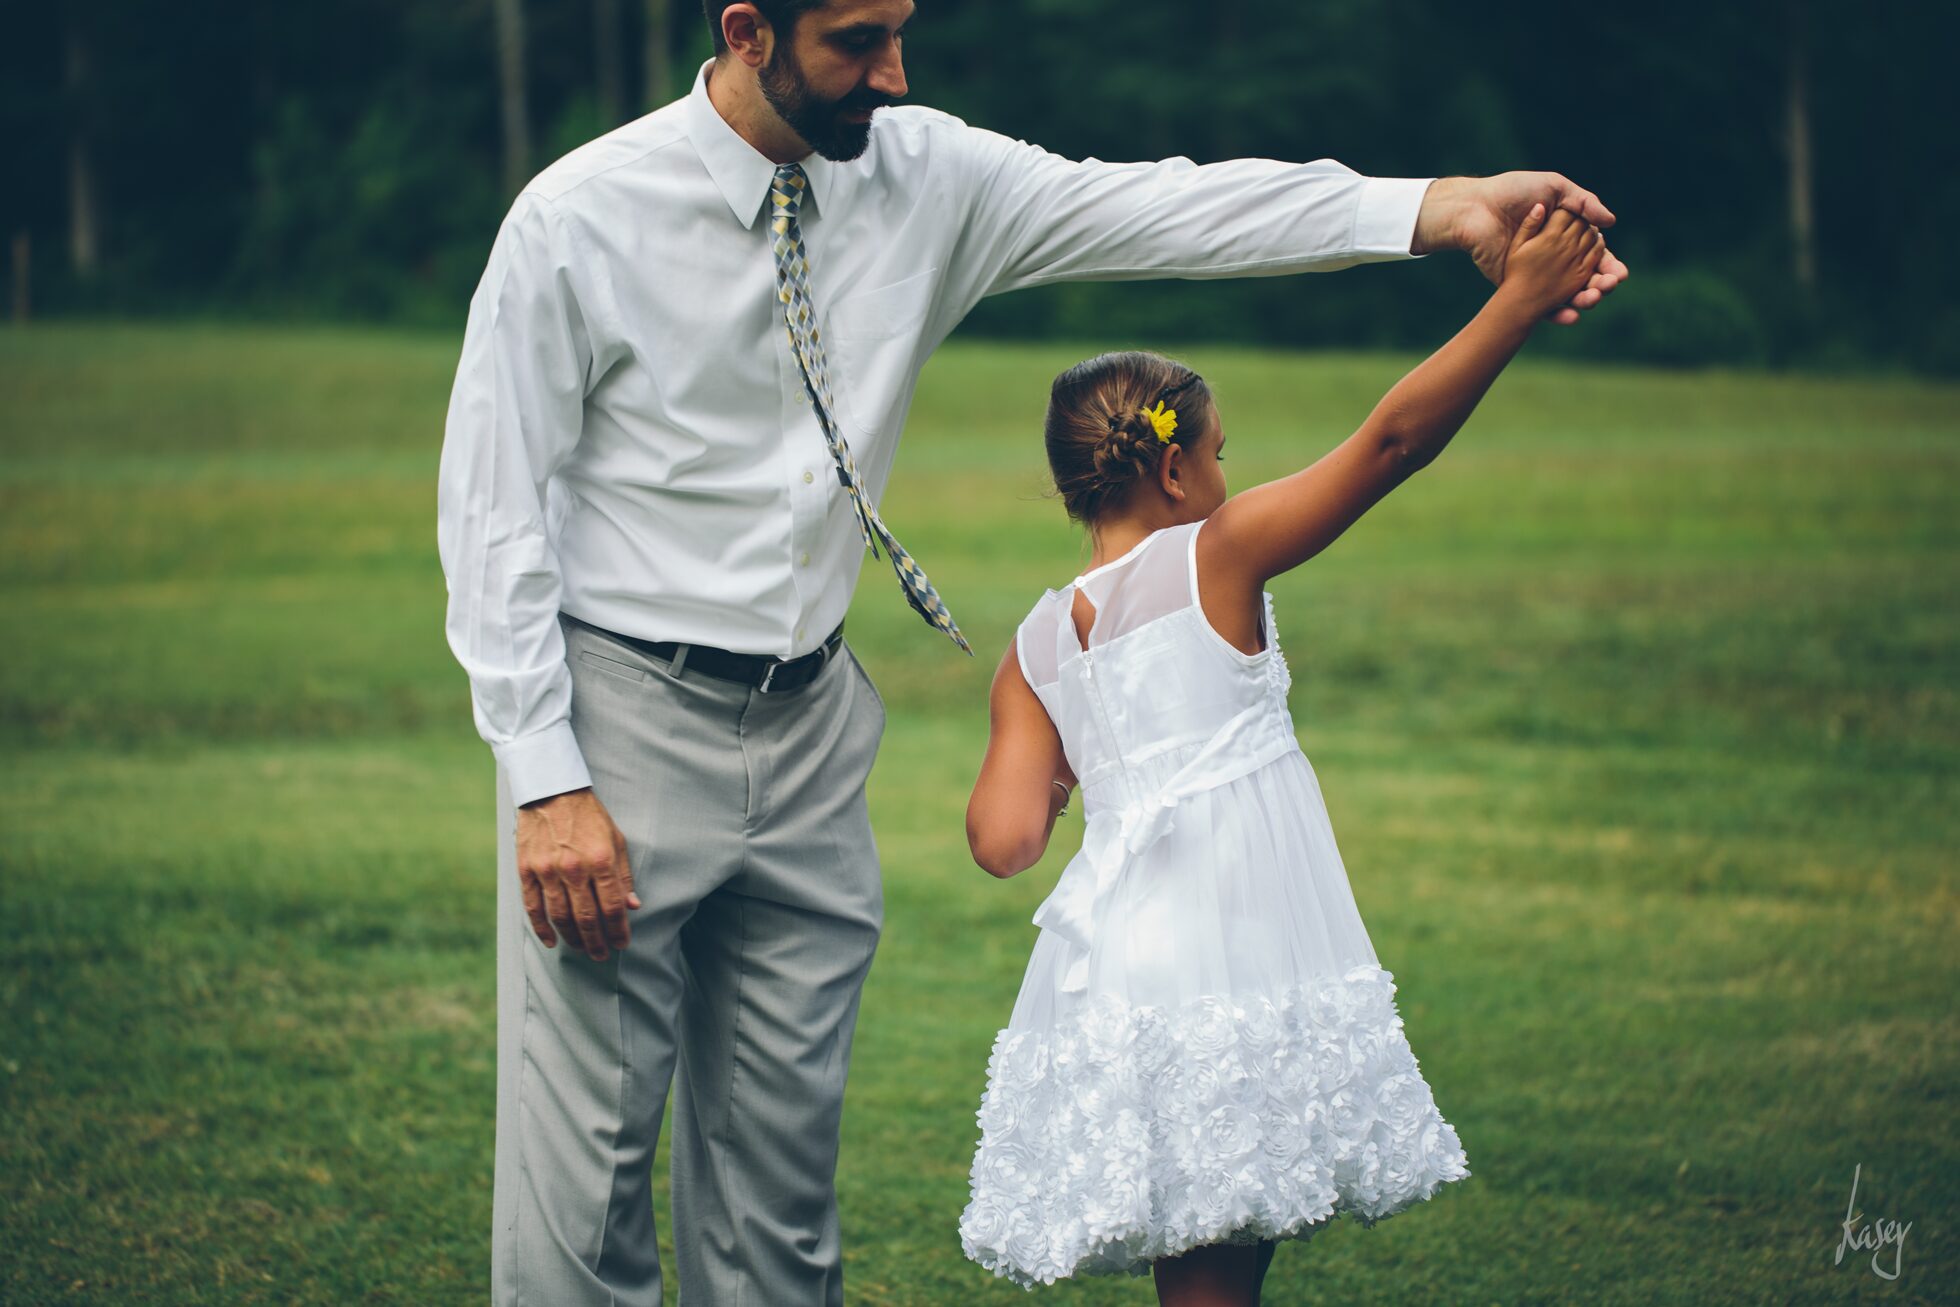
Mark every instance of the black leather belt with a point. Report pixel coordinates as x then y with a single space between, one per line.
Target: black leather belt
761 672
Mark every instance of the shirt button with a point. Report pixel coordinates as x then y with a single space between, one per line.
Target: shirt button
803 559
799 634
808 476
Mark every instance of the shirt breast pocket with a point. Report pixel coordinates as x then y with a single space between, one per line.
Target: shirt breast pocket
872 340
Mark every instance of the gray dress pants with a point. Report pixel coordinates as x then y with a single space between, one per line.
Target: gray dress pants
745 821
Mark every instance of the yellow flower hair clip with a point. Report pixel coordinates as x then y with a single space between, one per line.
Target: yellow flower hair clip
1163 421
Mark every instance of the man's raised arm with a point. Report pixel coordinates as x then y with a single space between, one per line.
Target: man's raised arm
1035 217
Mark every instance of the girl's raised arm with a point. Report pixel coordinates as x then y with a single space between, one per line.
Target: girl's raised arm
1275 527
1015 800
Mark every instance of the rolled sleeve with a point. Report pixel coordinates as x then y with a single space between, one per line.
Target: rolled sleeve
515 414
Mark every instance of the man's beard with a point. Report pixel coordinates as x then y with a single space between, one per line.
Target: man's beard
818 121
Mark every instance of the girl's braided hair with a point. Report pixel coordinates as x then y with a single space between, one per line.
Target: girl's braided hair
1100 443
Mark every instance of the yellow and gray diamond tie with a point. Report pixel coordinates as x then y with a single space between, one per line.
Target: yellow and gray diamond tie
793 288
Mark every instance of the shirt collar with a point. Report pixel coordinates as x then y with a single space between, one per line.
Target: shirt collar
742 172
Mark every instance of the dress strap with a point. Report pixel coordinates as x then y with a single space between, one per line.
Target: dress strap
1191 563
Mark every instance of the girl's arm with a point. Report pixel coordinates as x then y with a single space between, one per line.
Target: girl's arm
1275 527
1014 802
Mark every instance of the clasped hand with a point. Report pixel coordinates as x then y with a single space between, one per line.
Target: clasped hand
1481 216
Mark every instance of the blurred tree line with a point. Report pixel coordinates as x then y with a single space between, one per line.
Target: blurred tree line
1774 163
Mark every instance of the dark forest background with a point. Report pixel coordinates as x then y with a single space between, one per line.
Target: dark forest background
1781 177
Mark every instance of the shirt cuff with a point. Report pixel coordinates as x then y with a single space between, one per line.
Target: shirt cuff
1385 219
543 764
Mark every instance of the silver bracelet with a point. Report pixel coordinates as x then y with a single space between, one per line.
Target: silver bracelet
1063 810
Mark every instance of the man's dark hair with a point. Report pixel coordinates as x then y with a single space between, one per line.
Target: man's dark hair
782 15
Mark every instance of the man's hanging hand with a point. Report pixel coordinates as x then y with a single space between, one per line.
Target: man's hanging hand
573 869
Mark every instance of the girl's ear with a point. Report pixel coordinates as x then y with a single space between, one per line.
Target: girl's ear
1170 472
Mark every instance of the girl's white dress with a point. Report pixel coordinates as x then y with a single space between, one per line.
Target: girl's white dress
1205 1048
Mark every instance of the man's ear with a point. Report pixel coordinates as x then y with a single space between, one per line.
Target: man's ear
747 33
1170 471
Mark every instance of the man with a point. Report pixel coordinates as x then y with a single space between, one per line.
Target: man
679 397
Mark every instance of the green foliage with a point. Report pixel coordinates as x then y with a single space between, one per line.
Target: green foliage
1690 318
1937 349
355 224
342 161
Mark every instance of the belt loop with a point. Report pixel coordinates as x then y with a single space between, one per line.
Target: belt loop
679 663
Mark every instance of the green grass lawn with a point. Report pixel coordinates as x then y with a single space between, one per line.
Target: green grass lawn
1636 715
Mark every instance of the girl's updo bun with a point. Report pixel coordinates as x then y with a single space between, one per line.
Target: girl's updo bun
1101 443
1131 449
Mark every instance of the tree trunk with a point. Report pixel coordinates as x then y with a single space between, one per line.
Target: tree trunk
510 88
1796 128
659 54
83 218
606 60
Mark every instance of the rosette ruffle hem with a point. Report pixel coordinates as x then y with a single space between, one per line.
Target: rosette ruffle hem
1127 1134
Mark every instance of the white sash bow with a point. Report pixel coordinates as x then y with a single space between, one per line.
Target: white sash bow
1112 837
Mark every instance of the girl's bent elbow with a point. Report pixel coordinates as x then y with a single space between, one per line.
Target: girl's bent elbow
990 854
1002 858
996 868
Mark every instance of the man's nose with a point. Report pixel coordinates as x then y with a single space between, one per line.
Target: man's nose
888 74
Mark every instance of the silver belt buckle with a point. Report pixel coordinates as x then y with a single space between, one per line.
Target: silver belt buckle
769 677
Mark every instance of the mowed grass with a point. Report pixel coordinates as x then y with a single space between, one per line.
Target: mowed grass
1636 715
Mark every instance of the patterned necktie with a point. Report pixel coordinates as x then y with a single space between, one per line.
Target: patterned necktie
793 287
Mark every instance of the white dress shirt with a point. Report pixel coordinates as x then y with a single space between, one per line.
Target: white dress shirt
629 439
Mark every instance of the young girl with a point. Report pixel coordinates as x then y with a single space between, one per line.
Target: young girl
1205 1056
